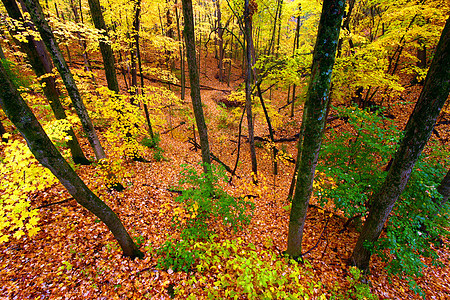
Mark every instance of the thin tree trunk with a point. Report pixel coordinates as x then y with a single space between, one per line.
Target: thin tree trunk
35 10
220 39
417 132
248 90
42 65
69 57
189 37
180 39
82 43
269 125
136 25
314 118
46 153
105 47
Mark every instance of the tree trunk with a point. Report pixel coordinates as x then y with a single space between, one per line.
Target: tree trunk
47 36
35 10
314 118
417 132
46 153
444 189
220 40
136 25
105 47
248 89
189 38
180 39
42 65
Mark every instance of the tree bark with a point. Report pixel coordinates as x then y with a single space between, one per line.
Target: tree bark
35 10
42 65
189 38
46 153
315 107
417 132
248 89
180 39
105 47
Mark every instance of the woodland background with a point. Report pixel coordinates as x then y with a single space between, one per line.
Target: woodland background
218 230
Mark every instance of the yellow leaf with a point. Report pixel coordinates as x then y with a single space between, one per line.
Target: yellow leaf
18 234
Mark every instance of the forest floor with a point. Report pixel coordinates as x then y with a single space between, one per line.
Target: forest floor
74 256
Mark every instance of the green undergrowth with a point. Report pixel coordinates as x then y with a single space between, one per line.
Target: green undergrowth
202 201
234 269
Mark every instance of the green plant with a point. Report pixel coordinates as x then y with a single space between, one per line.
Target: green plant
354 165
205 199
177 255
239 271
416 225
356 288
153 143
202 200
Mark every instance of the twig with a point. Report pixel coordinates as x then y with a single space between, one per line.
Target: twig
320 237
54 203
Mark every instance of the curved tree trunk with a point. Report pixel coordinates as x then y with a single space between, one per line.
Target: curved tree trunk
46 153
417 132
314 118
35 10
42 65
105 47
189 38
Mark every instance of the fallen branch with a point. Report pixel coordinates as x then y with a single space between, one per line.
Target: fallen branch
213 157
55 203
173 128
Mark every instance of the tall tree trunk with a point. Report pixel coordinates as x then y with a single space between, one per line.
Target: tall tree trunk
42 65
180 39
314 120
46 153
417 132
35 10
296 39
136 25
189 38
81 42
248 14
105 47
220 40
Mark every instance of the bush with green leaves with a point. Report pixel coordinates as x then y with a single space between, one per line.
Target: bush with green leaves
355 164
237 270
153 143
417 224
203 200
354 161
202 195
356 289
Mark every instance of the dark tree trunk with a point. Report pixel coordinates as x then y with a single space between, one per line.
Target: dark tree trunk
35 10
42 65
314 118
248 81
444 189
46 153
220 40
2 132
105 47
136 24
417 132
180 39
189 38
